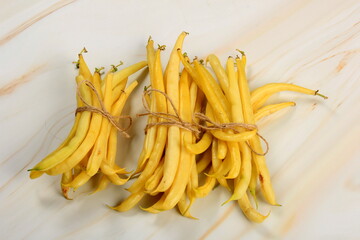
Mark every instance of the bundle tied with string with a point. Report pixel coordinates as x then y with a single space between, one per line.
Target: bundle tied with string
114 120
205 123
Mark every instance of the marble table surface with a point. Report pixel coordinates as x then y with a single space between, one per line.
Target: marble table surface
314 156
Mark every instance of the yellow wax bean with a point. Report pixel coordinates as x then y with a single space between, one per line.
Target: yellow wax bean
253 182
187 159
157 82
205 189
183 207
150 135
172 149
267 110
102 183
200 146
192 184
204 161
173 195
153 181
222 149
249 211
119 90
193 96
261 94
201 81
89 140
81 131
98 152
241 182
65 179
216 165
129 202
264 175
209 81
79 180
84 69
219 72
36 174
123 74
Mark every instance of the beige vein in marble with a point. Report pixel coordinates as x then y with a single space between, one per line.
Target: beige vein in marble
48 134
19 149
218 222
266 26
56 6
91 223
322 172
11 86
57 210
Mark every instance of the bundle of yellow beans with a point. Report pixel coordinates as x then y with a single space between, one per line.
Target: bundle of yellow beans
173 161
91 145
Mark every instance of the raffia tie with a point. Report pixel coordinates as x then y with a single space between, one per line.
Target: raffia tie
196 128
114 120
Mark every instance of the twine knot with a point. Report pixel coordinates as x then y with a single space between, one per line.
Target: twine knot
170 119
114 120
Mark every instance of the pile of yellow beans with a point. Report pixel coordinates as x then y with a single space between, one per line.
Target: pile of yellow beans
177 163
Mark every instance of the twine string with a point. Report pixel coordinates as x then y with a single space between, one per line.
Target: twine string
170 119
196 128
266 143
217 126
114 120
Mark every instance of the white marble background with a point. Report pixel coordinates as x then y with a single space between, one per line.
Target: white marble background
315 147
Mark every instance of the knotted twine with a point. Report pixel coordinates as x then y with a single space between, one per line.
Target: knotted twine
102 110
196 128
171 119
